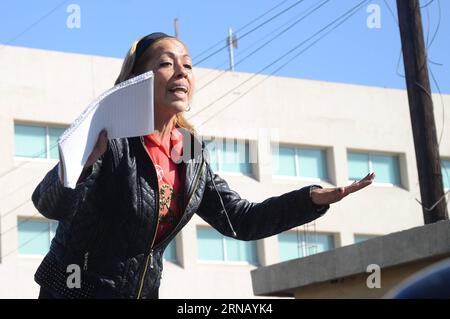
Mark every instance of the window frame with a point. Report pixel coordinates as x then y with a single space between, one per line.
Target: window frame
225 252
375 153
297 177
173 261
444 176
331 235
47 158
372 236
219 152
51 231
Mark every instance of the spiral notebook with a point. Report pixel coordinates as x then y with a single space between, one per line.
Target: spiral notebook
125 110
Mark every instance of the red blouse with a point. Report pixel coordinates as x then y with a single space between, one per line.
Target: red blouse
170 183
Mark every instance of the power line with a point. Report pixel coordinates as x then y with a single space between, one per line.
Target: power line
421 109
24 220
437 27
431 71
282 66
443 121
241 28
257 84
427 4
273 17
257 27
15 208
30 160
286 63
243 50
22 204
394 17
279 58
428 26
21 187
442 105
27 201
249 32
31 26
268 42
265 13
28 241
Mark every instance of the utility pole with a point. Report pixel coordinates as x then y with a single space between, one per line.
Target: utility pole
232 44
175 25
421 110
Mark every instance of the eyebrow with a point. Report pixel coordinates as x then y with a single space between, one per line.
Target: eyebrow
173 55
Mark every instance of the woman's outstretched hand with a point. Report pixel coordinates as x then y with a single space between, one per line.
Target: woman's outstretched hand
99 149
325 196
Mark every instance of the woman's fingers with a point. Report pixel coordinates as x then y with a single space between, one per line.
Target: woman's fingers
323 196
356 186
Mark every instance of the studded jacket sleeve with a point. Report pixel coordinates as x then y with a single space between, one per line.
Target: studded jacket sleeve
57 202
252 221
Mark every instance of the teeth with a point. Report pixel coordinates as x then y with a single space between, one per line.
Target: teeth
182 88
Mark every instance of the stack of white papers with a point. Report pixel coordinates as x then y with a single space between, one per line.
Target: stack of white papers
126 110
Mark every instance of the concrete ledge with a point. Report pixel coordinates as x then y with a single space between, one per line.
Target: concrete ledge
412 246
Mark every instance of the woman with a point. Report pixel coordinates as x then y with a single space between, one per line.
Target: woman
132 198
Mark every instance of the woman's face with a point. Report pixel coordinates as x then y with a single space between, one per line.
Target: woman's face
174 80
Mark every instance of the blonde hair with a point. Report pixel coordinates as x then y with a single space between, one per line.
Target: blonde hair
126 72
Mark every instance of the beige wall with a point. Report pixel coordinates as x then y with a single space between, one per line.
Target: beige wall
53 88
355 287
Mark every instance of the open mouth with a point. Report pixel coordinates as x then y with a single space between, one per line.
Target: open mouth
180 89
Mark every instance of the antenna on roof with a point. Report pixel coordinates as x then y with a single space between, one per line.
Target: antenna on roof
175 25
232 43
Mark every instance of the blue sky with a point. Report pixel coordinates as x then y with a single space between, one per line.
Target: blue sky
353 53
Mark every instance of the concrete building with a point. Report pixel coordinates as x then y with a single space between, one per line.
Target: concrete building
325 133
371 269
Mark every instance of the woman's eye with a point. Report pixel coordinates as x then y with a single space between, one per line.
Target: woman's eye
188 66
164 64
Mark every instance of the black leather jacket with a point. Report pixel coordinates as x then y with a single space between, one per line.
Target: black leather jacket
107 224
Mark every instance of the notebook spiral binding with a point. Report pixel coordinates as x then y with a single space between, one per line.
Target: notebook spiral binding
93 105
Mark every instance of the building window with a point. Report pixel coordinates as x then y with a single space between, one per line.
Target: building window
445 165
170 253
294 245
37 141
35 236
386 167
300 162
213 246
358 238
229 156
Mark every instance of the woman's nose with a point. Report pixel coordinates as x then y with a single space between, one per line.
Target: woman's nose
181 71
